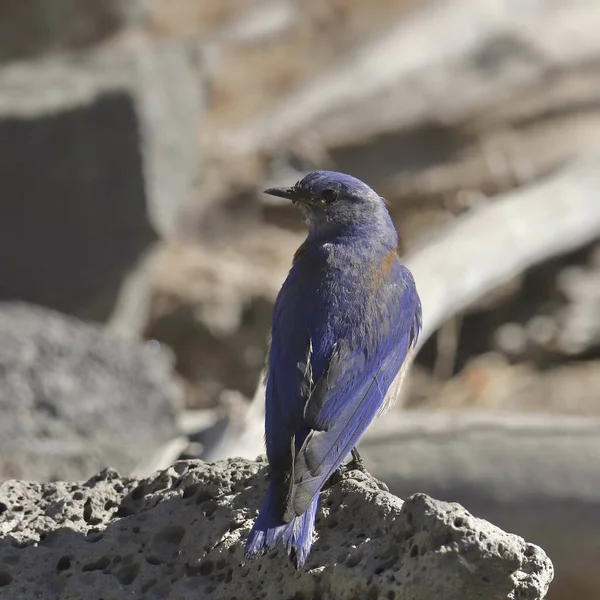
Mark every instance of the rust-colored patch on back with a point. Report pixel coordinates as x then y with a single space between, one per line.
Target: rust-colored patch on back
387 262
380 274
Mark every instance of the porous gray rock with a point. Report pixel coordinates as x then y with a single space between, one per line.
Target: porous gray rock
74 399
181 532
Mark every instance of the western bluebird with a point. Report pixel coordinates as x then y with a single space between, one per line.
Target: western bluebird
344 325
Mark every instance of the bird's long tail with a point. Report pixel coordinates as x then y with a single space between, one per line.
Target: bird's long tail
269 530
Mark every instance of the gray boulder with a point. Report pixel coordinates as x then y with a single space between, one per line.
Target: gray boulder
74 399
180 534
99 149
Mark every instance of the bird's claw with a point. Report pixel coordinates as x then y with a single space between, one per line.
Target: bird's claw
335 478
382 486
356 464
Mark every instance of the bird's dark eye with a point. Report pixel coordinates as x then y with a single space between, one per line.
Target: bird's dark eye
328 196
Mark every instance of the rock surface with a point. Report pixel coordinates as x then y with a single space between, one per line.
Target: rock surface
74 399
180 534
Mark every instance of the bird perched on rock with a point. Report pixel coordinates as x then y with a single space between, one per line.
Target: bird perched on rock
344 325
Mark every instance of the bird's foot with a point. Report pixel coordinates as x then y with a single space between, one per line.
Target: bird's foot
380 484
355 464
336 477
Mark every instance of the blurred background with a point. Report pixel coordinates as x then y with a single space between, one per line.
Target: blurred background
139 260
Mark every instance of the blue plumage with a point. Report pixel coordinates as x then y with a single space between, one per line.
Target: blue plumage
344 325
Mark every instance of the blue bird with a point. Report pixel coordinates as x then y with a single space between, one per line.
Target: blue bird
344 326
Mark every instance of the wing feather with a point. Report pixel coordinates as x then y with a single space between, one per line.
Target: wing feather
323 451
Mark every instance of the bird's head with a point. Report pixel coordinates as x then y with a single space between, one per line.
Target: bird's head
333 202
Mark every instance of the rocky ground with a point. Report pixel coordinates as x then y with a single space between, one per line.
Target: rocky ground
181 533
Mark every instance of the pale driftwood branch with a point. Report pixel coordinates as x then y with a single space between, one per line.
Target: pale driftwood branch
482 250
491 50
499 240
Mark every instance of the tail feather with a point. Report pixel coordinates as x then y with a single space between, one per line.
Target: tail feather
269 530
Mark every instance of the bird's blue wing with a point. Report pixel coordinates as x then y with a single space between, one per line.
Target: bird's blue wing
347 398
355 362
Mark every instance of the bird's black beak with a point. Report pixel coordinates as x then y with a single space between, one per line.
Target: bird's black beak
288 193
